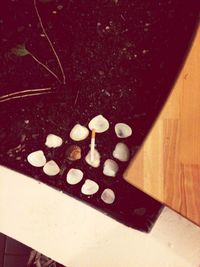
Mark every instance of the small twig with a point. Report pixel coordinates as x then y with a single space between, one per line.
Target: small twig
76 98
23 96
21 50
44 66
25 91
49 41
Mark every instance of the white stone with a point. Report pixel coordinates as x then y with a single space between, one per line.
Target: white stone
96 162
108 196
99 123
89 187
123 130
79 132
110 168
74 176
121 152
51 168
37 158
53 141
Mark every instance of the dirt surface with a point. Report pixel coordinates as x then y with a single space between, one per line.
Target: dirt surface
116 58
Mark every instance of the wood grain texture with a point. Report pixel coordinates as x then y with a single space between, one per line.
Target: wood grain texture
168 165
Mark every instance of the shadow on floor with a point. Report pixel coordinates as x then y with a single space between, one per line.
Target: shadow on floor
15 254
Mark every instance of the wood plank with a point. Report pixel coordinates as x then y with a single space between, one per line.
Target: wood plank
168 165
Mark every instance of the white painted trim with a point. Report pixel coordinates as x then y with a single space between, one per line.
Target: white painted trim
79 236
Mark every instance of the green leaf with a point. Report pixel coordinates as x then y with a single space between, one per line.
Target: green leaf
20 50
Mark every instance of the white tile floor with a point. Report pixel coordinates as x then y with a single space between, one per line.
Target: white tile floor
78 236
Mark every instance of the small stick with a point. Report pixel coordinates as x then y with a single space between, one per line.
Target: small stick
49 41
44 66
25 91
92 145
22 96
77 95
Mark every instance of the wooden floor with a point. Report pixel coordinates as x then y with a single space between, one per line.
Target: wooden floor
168 165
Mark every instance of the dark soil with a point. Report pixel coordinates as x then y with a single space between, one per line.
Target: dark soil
120 59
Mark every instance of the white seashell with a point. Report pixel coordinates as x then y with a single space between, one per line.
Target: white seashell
99 123
37 158
110 168
53 140
89 187
123 130
108 196
51 168
79 133
121 152
96 162
74 176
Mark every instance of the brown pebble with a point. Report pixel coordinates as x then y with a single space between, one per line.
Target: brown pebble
73 153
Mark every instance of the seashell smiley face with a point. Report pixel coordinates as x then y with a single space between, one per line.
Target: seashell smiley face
74 176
